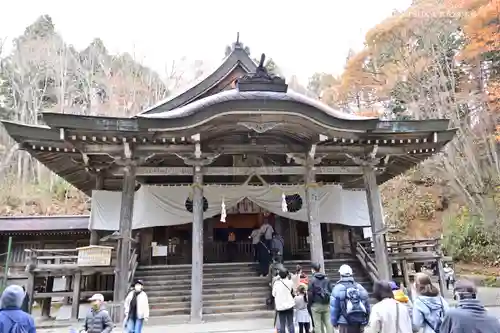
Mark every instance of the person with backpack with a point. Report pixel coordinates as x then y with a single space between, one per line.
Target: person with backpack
349 306
388 315
469 315
12 318
318 293
429 307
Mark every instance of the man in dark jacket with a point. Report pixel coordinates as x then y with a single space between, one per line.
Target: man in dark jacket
98 319
319 298
469 315
11 314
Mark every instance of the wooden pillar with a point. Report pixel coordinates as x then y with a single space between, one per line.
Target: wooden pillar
30 285
99 185
75 306
441 277
47 302
406 277
374 202
124 243
197 248
315 241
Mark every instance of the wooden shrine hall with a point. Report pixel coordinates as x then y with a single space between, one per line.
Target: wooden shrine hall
238 134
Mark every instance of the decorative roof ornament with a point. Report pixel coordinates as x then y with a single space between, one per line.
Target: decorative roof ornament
237 44
262 80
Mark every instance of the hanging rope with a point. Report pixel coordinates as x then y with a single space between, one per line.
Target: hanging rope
284 206
223 211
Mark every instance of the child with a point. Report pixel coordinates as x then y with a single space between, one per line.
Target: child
401 297
301 313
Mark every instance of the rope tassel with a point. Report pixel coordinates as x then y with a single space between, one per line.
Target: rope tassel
284 206
223 211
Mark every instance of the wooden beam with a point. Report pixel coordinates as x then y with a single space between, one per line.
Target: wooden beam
117 149
242 171
278 149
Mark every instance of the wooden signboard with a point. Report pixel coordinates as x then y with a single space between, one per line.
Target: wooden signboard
94 255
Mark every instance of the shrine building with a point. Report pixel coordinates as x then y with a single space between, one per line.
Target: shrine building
219 158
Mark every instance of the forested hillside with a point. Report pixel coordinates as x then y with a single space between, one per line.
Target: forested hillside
439 58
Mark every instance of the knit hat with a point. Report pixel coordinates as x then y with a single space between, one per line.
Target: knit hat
394 285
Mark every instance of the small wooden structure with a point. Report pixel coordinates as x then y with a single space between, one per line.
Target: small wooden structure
238 113
87 270
407 257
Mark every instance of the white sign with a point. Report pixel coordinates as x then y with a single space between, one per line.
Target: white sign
94 255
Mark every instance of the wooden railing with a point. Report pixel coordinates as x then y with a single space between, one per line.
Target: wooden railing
215 251
132 264
367 262
412 250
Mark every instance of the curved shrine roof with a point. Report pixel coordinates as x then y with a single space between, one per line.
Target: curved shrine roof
79 148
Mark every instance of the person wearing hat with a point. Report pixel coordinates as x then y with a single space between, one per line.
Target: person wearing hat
469 315
401 297
98 319
349 305
136 308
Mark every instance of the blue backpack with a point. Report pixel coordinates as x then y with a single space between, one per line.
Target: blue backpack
354 308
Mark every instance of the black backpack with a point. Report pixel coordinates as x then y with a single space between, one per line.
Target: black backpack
322 291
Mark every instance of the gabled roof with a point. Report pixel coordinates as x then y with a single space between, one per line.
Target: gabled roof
237 58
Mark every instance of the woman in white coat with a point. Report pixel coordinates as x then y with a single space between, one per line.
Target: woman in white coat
136 308
388 315
284 301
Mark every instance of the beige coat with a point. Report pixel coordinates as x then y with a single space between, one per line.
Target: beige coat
383 318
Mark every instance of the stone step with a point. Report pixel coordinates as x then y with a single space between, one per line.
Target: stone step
209 297
166 279
172 275
215 317
209 268
162 291
242 283
209 309
208 303
187 292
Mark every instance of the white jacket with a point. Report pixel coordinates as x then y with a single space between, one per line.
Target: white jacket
282 293
142 305
383 318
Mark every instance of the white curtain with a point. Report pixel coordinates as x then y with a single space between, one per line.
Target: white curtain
165 205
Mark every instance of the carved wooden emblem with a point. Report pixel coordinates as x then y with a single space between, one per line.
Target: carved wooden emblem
259 127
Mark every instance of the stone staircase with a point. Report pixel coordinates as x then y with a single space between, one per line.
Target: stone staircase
230 290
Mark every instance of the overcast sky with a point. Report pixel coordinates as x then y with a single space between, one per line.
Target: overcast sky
302 36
